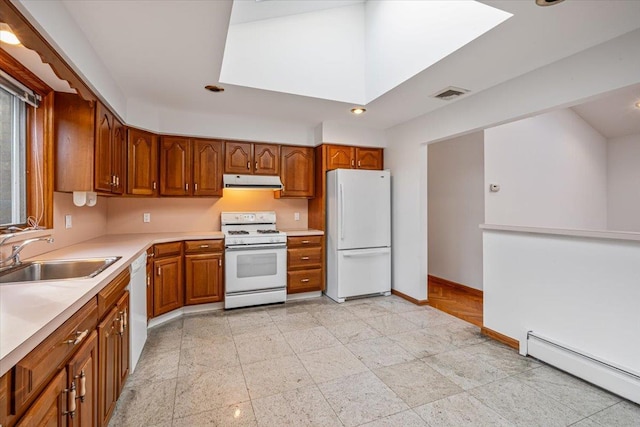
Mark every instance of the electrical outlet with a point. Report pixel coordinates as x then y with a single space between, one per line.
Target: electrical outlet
146 217
296 216
67 221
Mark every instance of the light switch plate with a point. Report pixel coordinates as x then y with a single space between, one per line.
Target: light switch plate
67 221
296 216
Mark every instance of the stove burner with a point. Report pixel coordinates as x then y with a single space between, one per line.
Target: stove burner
268 231
235 232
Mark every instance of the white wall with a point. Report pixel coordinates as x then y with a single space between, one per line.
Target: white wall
609 66
456 209
552 172
339 133
623 183
578 291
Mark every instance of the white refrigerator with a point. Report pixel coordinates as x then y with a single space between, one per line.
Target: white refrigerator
358 233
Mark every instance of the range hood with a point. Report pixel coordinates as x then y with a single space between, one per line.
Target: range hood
256 182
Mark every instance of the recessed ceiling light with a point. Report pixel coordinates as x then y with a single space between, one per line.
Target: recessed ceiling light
548 2
214 88
7 36
638 104
358 110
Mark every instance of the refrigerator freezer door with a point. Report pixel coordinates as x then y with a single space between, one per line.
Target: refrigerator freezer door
360 272
362 213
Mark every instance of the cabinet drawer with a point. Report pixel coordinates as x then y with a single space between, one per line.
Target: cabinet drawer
304 281
198 246
304 258
37 367
302 241
108 296
166 249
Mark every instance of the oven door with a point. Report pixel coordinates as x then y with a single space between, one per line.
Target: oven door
255 268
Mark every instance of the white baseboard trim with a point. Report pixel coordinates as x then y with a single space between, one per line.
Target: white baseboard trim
186 310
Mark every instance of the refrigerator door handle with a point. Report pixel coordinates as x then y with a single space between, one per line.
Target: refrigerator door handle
366 253
341 202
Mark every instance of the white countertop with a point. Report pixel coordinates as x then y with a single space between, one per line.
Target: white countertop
597 234
305 232
29 312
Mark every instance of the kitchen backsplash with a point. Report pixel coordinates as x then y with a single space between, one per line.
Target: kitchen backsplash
195 214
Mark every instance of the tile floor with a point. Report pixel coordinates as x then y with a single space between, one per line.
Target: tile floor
376 362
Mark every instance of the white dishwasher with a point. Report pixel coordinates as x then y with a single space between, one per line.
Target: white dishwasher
138 309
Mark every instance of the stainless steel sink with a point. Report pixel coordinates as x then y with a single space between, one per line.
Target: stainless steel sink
32 271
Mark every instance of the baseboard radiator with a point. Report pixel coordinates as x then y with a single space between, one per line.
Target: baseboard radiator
616 379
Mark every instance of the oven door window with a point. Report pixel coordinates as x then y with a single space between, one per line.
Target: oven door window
254 265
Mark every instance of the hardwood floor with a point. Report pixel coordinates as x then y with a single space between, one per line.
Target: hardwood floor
458 300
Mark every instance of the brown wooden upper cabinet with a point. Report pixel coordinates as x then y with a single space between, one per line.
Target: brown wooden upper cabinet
142 163
190 167
109 152
297 171
347 157
247 158
89 146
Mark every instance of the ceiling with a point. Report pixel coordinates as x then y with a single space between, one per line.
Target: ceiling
165 52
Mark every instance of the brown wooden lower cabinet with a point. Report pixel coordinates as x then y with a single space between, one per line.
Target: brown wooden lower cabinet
168 285
109 372
50 408
203 278
305 266
83 376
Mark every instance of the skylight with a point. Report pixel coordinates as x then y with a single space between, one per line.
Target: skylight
349 51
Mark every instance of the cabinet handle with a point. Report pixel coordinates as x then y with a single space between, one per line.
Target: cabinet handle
256 165
304 258
79 337
151 255
82 380
186 187
154 185
71 400
195 186
248 165
148 281
159 271
204 246
124 318
117 181
120 325
305 242
304 280
353 163
220 262
358 163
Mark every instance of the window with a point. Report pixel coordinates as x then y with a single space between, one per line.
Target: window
13 209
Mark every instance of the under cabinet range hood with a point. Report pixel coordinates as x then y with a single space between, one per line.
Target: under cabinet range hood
256 182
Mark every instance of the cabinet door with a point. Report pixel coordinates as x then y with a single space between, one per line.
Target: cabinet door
175 166
266 159
50 408
104 178
108 374
207 167
340 157
297 171
203 273
168 288
124 341
369 158
83 372
142 163
118 153
238 157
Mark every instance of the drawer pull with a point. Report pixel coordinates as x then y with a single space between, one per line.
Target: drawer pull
305 242
71 400
304 280
204 246
82 380
124 318
304 258
79 337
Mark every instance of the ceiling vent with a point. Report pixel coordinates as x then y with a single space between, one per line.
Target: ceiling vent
449 93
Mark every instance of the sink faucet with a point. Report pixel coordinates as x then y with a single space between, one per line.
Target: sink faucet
14 258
